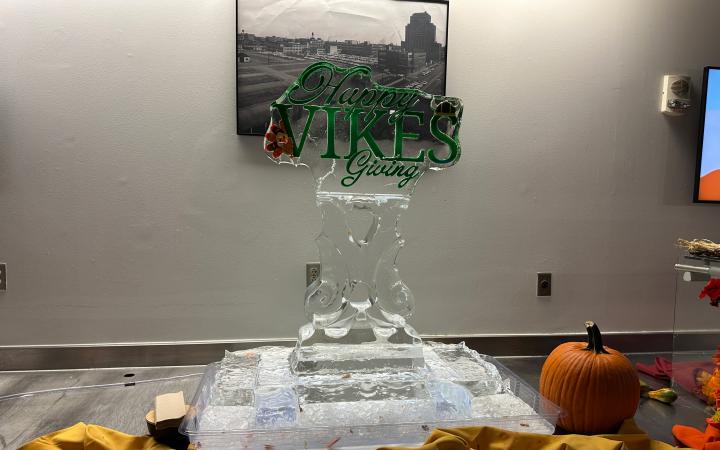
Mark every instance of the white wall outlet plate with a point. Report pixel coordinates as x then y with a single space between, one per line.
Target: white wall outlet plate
676 93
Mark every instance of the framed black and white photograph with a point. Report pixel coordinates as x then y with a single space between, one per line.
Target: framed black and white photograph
403 41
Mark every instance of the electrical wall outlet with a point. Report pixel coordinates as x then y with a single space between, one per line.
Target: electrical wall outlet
544 284
3 277
312 272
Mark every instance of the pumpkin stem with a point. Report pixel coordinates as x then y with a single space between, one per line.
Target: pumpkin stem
595 342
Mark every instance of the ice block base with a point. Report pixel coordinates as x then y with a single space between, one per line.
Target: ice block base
252 400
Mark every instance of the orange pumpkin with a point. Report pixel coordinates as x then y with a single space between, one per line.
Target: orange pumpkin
596 387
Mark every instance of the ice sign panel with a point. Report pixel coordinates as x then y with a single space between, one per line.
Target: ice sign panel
358 136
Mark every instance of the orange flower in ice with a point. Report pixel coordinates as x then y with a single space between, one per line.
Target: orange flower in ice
277 141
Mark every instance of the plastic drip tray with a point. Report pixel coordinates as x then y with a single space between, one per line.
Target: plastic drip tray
251 400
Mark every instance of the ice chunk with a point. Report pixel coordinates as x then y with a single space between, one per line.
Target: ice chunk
466 367
452 401
274 367
221 418
276 406
235 380
500 405
369 412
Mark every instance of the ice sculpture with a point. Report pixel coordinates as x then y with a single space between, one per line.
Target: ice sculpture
367 146
359 375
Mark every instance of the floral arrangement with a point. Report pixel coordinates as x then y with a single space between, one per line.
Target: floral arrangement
711 388
710 383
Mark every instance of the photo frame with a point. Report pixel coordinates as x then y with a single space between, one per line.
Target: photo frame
403 41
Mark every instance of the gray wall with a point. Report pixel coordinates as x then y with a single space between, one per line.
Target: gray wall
130 211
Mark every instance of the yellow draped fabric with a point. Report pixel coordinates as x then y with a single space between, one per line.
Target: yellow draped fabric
92 437
628 437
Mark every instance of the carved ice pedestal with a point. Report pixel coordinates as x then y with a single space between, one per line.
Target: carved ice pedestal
359 306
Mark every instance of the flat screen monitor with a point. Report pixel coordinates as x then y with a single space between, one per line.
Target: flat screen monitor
707 176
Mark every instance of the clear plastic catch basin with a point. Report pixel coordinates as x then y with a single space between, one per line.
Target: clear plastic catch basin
253 400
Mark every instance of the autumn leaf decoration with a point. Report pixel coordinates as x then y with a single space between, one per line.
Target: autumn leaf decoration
711 291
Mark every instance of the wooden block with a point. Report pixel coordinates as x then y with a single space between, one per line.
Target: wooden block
169 410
